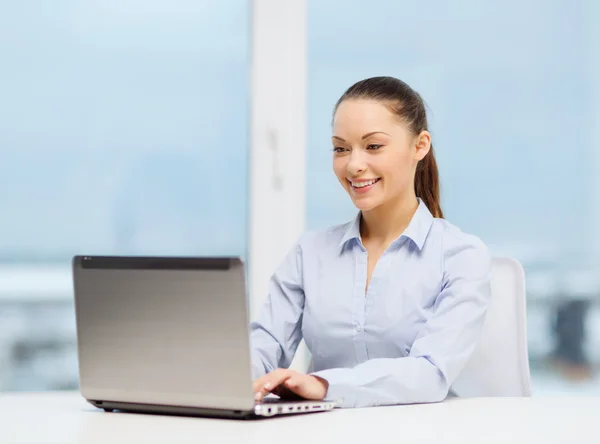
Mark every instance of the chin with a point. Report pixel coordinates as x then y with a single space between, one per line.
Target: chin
365 204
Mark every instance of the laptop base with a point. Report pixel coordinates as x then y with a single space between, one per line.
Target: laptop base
110 406
264 410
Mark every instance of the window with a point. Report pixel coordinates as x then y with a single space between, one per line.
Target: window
123 130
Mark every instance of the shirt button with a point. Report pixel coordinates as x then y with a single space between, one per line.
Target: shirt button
358 328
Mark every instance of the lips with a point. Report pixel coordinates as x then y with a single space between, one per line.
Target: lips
362 186
363 183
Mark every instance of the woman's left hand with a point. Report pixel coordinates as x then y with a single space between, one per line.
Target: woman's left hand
287 383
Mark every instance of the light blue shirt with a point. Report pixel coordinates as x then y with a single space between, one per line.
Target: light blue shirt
405 340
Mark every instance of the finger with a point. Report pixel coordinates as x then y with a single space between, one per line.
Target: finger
302 386
293 383
275 381
272 380
260 382
270 384
282 391
269 387
286 393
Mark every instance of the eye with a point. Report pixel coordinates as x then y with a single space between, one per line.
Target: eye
339 149
374 146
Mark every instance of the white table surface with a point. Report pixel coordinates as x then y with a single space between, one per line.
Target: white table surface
65 417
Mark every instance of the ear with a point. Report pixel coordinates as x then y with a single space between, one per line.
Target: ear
422 145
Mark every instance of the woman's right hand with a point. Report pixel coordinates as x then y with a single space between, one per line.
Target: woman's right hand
287 383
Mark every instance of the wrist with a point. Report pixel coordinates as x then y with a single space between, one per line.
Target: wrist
324 384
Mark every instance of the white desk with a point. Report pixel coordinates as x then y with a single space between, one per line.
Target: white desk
67 418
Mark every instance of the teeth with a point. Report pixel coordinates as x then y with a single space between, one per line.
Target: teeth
364 184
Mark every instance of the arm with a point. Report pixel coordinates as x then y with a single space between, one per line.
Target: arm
276 333
440 350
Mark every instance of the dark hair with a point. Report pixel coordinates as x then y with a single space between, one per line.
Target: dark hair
408 105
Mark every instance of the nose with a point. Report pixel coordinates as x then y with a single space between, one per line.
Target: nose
356 163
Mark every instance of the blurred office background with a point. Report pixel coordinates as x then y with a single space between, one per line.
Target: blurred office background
125 129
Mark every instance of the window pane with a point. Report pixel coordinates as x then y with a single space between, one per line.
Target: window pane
512 91
123 130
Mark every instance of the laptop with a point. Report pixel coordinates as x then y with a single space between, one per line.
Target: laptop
168 335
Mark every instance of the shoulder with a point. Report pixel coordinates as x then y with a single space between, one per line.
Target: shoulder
460 252
453 238
322 238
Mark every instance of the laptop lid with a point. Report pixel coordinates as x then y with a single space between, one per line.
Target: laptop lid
163 330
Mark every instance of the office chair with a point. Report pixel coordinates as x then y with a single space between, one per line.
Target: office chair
500 364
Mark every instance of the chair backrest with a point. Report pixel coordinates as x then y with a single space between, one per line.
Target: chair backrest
500 364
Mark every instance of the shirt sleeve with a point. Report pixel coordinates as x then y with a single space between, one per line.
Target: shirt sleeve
442 347
275 335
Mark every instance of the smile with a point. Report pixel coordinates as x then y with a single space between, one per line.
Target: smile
364 183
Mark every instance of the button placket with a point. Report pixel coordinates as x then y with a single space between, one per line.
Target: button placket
359 306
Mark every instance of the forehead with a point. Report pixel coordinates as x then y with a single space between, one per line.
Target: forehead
361 115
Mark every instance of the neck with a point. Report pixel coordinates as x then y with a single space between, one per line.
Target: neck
385 223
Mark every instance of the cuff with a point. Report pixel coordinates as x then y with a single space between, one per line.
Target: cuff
258 369
341 384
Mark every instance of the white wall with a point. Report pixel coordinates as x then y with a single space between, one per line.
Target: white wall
277 150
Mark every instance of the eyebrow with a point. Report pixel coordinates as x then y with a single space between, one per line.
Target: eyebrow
363 137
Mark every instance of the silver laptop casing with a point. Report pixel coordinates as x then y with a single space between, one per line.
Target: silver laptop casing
167 335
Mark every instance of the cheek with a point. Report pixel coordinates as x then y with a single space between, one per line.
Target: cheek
339 168
398 171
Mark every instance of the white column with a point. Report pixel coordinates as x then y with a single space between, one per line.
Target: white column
278 134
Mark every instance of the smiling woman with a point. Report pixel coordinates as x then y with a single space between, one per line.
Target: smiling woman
335 288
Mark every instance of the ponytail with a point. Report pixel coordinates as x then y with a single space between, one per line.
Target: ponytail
427 184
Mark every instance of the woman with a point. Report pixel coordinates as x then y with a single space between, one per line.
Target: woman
391 305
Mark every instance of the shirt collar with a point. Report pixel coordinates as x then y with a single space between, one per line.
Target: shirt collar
417 229
352 230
